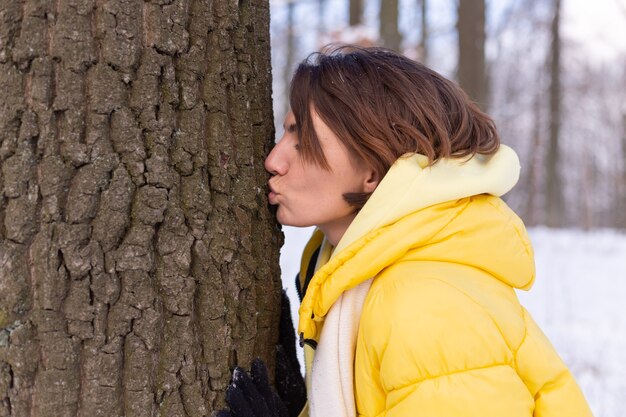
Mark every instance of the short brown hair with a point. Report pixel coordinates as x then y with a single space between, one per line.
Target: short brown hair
382 105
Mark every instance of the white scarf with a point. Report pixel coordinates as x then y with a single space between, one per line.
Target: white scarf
332 388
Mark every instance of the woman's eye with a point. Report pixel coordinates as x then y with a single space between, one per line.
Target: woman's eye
297 146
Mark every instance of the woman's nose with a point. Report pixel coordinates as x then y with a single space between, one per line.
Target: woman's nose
276 163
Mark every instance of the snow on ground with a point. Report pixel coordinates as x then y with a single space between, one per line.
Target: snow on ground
578 300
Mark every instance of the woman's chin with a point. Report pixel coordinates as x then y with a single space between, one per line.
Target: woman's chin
286 220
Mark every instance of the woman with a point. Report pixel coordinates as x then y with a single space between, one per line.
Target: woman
412 309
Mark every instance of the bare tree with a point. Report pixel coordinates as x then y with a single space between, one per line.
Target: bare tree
517 99
621 218
355 12
321 20
389 30
423 43
138 259
622 199
554 183
532 171
290 52
471 30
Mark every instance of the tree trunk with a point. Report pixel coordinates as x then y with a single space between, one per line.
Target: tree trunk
554 184
355 12
621 222
471 29
423 45
138 259
321 21
290 54
389 31
532 176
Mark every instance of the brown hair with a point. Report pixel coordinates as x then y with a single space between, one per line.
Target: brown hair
382 105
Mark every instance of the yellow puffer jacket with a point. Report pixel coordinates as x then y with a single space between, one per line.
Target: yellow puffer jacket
441 332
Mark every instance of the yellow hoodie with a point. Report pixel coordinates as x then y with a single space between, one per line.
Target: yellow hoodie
441 332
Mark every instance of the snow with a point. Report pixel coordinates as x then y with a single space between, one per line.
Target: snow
577 299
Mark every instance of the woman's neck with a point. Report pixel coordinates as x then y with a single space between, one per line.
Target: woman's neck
335 230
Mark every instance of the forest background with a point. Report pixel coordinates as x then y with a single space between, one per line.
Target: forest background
551 73
554 79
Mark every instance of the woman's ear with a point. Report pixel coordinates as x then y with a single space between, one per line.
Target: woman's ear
371 181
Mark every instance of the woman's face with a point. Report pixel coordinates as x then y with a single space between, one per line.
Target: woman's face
308 195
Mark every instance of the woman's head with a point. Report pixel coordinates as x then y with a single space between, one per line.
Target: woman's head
354 112
382 105
308 194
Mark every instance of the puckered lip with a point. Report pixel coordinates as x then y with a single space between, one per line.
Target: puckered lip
272 189
271 195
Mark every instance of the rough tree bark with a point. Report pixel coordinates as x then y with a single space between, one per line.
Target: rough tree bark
138 259
472 74
554 183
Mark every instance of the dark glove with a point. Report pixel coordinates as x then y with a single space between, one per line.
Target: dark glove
289 381
251 395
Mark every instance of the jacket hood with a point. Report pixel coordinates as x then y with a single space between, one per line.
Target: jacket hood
410 185
429 213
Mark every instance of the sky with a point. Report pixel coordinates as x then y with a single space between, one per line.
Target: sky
600 25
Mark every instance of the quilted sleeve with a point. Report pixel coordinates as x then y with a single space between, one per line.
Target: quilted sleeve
425 348
548 379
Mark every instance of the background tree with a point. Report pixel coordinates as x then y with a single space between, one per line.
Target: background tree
622 182
423 39
554 184
355 12
322 25
138 259
389 31
471 46
290 52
